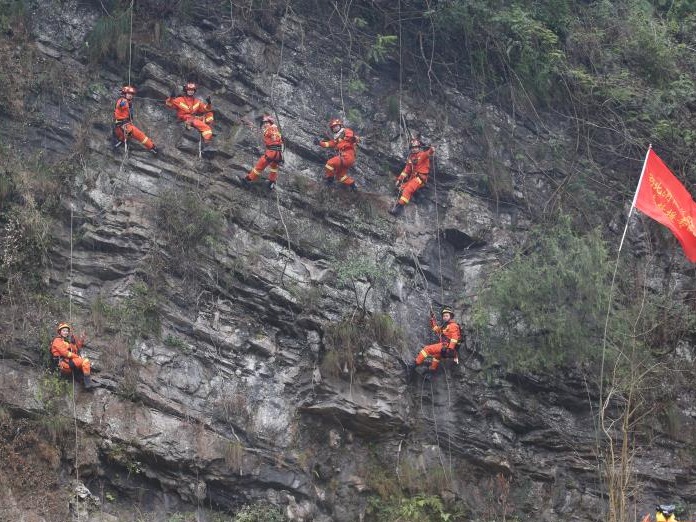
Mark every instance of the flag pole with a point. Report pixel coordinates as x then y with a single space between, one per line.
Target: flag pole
635 197
604 401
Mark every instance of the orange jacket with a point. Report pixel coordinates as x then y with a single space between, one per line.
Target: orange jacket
60 347
187 106
344 141
272 137
417 164
450 333
122 112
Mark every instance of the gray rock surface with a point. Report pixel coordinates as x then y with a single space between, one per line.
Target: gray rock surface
237 407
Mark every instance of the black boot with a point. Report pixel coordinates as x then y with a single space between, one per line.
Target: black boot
410 367
87 382
207 149
271 185
328 181
396 209
354 187
154 150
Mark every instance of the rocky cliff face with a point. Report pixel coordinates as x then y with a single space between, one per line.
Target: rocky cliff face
241 337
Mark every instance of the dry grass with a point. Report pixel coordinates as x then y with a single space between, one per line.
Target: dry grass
30 467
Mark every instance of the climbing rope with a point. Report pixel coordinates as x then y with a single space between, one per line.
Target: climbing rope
70 275
275 112
130 43
403 125
70 320
130 66
401 73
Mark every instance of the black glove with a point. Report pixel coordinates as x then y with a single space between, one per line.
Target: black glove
208 101
319 140
172 94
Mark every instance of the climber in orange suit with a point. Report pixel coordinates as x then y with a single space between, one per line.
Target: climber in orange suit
414 176
344 141
450 337
123 121
65 350
273 156
193 111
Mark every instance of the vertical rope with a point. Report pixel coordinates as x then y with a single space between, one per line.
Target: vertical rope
437 225
437 433
402 126
70 276
70 320
280 129
130 43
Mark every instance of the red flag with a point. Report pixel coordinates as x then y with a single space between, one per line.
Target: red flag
661 196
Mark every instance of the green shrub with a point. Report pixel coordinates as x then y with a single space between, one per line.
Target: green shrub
109 37
135 316
497 38
418 508
547 306
347 340
384 330
178 343
52 394
14 16
26 242
260 512
362 269
381 48
186 223
356 86
142 315
343 341
650 49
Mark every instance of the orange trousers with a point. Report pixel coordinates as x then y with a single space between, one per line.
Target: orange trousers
128 130
432 350
81 363
271 157
337 167
199 123
409 188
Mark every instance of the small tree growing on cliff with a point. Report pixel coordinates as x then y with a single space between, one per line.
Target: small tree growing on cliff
353 271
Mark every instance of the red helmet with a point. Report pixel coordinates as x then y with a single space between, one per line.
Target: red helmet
335 122
128 89
190 86
267 118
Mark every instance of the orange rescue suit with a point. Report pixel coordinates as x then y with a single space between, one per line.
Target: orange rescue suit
68 353
123 126
273 155
344 142
194 113
415 174
450 336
